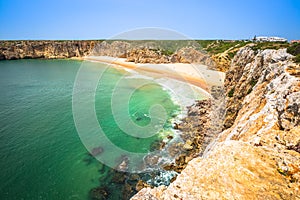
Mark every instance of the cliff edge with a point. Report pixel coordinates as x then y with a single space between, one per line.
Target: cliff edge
257 156
50 49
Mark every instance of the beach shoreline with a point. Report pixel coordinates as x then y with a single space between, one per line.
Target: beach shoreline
195 74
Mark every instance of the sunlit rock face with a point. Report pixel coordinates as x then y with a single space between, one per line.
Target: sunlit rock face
148 52
257 156
10 50
249 71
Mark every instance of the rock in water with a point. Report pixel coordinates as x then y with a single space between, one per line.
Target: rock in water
96 151
99 193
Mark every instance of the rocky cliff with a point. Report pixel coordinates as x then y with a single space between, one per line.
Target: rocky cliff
10 50
157 56
133 51
257 156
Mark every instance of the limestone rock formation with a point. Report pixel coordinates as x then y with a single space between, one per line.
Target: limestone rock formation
10 50
234 170
145 55
222 61
155 56
112 48
196 134
258 155
191 55
244 73
149 52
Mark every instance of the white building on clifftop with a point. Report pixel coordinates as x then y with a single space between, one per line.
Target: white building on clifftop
269 39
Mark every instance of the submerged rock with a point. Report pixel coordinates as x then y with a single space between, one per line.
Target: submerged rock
123 165
96 151
99 193
140 185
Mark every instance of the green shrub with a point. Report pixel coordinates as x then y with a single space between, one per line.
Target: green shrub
167 52
205 43
270 45
219 46
250 90
253 82
297 59
231 54
294 49
231 92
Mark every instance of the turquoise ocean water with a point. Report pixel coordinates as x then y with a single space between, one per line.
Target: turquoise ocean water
42 156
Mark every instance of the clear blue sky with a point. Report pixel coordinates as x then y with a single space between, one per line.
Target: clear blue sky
101 19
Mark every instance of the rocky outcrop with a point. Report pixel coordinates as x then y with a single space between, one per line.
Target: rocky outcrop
156 56
257 155
151 52
10 50
198 129
232 171
111 48
245 72
133 51
195 129
222 61
191 55
145 55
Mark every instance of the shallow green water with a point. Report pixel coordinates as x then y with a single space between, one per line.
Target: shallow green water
42 156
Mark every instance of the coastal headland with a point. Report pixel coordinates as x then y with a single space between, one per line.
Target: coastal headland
246 147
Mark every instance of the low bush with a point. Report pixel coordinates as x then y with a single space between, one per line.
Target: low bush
294 49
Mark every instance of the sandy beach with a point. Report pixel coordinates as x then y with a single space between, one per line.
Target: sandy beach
195 74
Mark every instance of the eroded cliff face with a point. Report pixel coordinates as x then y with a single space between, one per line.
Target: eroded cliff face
183 55
10 50
257 156
151 52
133 51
